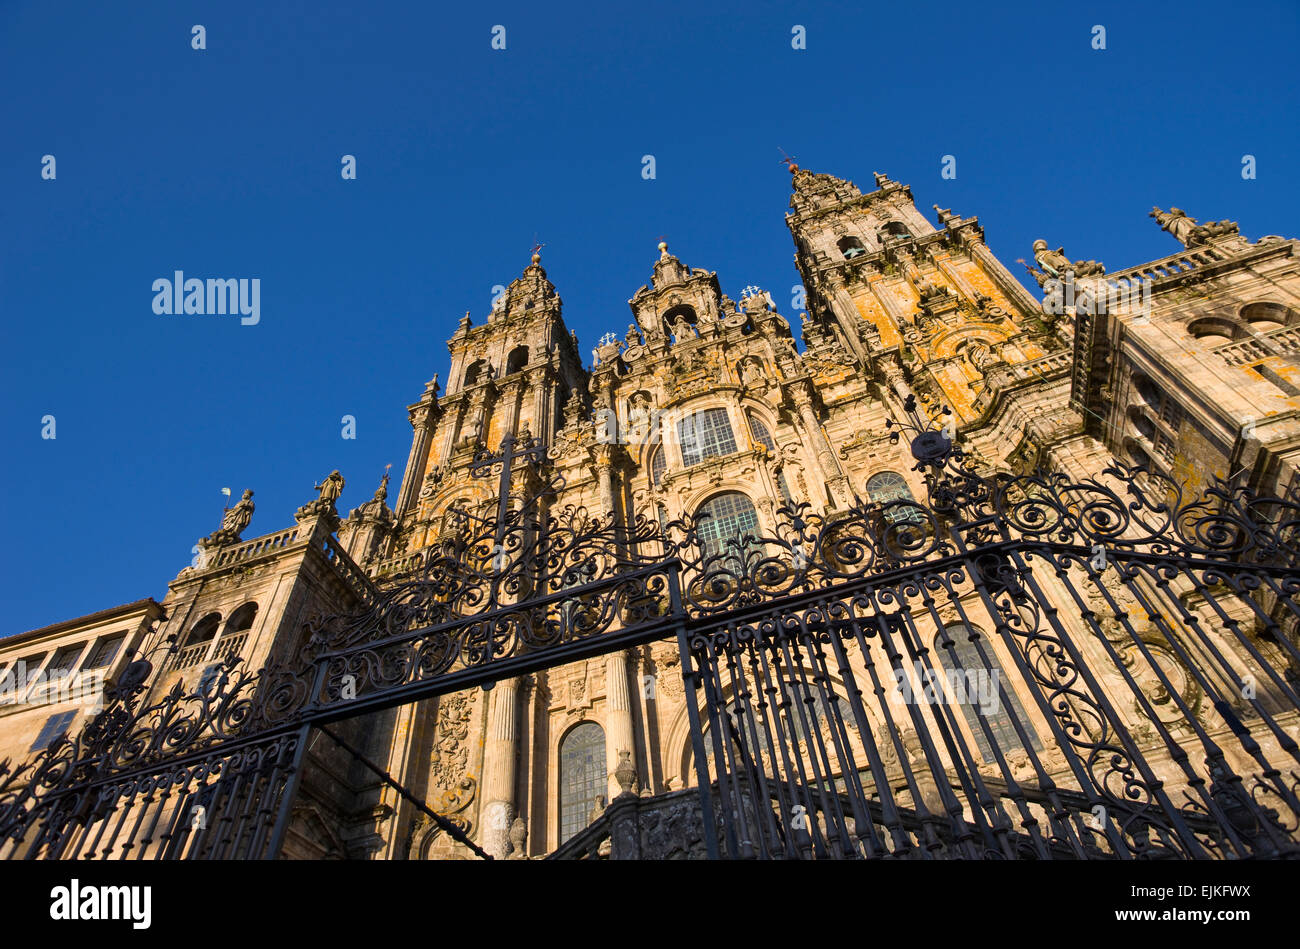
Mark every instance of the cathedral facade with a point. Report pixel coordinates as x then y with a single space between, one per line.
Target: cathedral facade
707 409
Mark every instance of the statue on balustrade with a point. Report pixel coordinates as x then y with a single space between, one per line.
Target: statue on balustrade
1187 231
1056 265
233 522
329 489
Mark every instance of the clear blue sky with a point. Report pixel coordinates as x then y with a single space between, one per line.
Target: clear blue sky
225 163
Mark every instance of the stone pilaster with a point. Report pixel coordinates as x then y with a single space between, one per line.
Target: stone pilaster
422 416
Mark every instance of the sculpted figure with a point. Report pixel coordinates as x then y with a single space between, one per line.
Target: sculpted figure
682 328
239 516
331 488
1177 223
1188 232
1056 264
233 521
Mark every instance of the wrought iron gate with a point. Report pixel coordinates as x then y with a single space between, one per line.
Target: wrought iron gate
1022 667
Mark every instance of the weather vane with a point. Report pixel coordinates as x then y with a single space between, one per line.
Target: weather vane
787 160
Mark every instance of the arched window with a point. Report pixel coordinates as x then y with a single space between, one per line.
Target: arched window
196 645
850 247
1138 454
658 465
517 359
889 486
705 434
979 681
1216 331
582 777
1145 427
722 518
1264 316
896 229
204 630
241 619
235 635
760 433
474 372
1161 402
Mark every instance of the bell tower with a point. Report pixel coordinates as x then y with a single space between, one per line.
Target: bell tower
509 376
929 306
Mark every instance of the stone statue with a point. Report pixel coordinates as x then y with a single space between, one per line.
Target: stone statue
382 493
1187 231
1176 223
633 337
239 516
473 432
330 488
233 522
978 354
1056 264
681 328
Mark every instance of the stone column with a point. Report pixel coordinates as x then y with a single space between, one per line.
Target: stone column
620 735
894 376
816 439
499 754
422 416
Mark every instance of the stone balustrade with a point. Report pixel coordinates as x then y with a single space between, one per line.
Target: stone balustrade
254 547
1279 342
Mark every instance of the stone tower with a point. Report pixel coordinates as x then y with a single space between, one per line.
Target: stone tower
929 307
510 376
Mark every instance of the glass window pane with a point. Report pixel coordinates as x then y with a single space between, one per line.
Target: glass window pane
704 435
582 777
63 662
888 486
55 726
967 657
105 652
760 434
725 517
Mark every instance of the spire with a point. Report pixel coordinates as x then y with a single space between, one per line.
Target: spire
668 269
531 291
815 191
